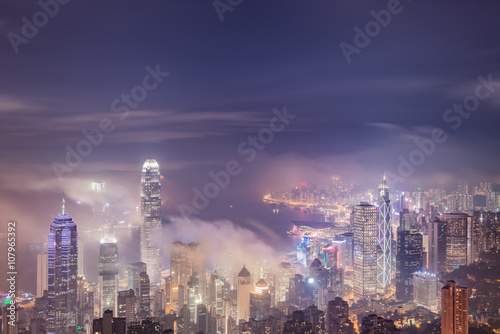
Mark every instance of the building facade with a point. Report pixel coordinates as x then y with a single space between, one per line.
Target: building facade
365 250
454 309
42 276
408 260
108 275
425 290
384 239
151 219
62 274
457 240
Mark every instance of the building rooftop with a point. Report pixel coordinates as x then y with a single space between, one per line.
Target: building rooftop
244 272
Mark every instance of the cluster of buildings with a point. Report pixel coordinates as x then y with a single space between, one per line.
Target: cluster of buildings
395 255
392 256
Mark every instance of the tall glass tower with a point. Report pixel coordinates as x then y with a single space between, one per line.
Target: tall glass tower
63 273
365 251
151 219
384 239
458 243
108 275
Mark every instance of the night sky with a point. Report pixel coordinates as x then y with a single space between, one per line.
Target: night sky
225 78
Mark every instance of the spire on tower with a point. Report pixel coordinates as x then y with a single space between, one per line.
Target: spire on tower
63 205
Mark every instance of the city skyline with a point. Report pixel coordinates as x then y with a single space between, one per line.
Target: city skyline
186 281
248 167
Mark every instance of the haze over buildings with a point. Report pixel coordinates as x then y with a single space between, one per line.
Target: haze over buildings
234 167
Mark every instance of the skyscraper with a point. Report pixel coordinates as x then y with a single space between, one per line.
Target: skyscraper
338 317
109 325
168 294
464 198
62 271
365 250
187 265
425 290
126 305
384 239
201 319
457 240
486 230
108 275
183 322
436 246
349 247
244 288
260 300
80 258
144 296
408 260
285 272
454 309
151 219
41 273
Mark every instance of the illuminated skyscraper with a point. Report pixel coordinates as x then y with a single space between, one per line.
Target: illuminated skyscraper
201 319
408 260
461 200
80 258
454 309
41 273
338 317
457 240
183 322
384 239
244 288
285 272
425 290
349 248
144 296
151 219
436 246
486 230
365 250
187 269
168 294
134 279
126 305
260 300
62 271
464 197
108 275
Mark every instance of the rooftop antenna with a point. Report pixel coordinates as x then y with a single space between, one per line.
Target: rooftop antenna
63 204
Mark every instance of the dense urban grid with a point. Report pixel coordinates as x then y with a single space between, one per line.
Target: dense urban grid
370 261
